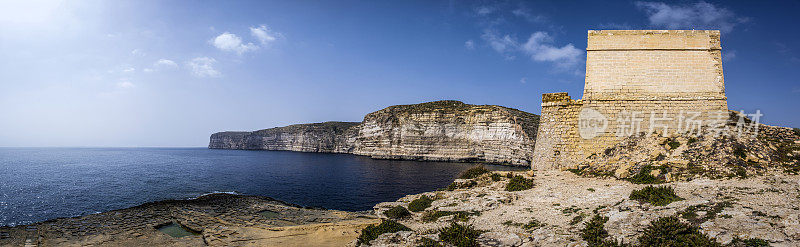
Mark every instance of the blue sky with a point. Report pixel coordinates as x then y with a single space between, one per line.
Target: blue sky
170 73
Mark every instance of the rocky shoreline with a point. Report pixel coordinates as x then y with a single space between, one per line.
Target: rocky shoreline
210 220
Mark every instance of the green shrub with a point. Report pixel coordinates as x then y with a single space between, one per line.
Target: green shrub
739 152
420 204
796 131
496 177
518 183
461 185
577 219
750 242
670 231
533 224
427 242
644 176
397 212
673 144
474 172
460 235
372 232
691 140
658 196
594 232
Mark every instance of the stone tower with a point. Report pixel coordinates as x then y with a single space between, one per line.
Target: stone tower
637 81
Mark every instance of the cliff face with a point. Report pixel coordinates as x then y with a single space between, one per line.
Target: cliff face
449 131
436 131
329 137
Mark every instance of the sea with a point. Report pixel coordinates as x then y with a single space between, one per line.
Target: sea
38 184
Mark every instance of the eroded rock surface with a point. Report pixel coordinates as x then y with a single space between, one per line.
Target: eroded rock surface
561 202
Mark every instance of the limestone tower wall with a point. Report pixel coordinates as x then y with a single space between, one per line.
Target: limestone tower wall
637 81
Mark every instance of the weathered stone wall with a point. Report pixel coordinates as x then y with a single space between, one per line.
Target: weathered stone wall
636 81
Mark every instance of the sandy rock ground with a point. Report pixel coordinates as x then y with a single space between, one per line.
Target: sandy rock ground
215 220
765 207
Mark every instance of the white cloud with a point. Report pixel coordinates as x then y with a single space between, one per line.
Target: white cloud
484 10
165 63
502 44
125 84
230 42
469 44
523 80
129 70
527 15
700 15
539 47
264 34
203 67
138 52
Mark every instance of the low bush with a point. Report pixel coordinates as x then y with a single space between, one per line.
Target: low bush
796 131
596 234
673 144
644 176
518 183
739 152
533 224
460 235
496 177
372 232
658 196
474 172
420 204
397 212
750 242
461 185
670 231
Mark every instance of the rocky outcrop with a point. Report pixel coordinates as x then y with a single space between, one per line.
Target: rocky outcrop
437 131
449 131
329 137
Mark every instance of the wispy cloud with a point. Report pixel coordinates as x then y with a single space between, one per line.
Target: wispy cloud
728 55
503 44
539 46
203 67
700 15
165 63
230 42
469 44
484 10
125 84
264 35
526 14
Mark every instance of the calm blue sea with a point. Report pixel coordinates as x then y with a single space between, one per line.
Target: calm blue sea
37 184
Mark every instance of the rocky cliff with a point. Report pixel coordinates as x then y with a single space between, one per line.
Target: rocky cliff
436 131
449 131
329 137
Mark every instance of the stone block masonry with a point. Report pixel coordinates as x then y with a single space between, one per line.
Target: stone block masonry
636 81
